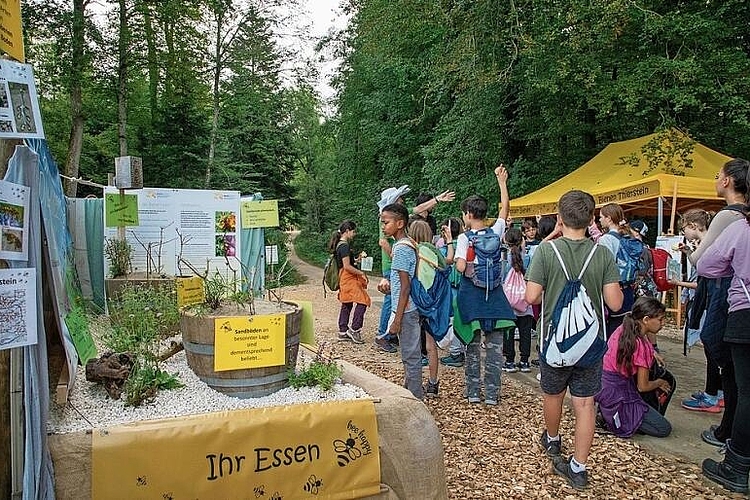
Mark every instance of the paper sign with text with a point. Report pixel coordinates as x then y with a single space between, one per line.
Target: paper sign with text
190 291
242 342
18 314
260 213
326 451
122 210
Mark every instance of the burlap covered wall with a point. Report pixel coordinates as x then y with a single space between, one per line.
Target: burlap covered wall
411 453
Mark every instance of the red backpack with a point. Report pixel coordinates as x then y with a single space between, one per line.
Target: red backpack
661 257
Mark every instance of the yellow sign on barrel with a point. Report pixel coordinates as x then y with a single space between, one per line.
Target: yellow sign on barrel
11 36
243 342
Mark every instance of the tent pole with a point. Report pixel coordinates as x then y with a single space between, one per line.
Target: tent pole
674 210
659 216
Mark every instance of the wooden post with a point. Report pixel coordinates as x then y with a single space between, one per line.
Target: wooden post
5 480
674 209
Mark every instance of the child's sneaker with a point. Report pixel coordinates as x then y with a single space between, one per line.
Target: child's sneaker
383 345
355 335
344 337
431 390
705 403
510 367
490 402
474 398
578 480
524 367
551 448
454 360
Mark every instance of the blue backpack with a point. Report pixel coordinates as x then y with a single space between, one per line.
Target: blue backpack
629 259
431 289
487 272
572 336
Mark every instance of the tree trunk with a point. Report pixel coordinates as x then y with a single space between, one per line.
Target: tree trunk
122 80
151 60
75 143
219 17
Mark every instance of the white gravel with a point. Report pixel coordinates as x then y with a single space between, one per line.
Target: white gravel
89 406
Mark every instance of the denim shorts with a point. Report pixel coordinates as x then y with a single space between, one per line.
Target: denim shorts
582 382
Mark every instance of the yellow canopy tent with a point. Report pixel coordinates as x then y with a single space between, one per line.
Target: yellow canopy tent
622 173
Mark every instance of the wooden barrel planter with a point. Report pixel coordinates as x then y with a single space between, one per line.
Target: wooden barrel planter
198 339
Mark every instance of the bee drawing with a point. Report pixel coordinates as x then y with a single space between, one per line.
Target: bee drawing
313 485
259 491
346 451
141 481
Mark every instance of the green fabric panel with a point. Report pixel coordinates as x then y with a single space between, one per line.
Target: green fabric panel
94 220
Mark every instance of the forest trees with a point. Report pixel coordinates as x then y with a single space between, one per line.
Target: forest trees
195 87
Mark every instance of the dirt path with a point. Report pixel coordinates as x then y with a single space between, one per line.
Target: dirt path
493 452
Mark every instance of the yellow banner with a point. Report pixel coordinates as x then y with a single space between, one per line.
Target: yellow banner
260 213
190 291
11 36
630 194
321 451
249 342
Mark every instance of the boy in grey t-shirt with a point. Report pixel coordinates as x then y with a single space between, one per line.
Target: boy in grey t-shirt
546 277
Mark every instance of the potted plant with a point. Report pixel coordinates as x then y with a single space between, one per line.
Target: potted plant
119 255
224 304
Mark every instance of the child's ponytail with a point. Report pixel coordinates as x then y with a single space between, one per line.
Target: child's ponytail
514 238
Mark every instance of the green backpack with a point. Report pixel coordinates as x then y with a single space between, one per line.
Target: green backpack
331 272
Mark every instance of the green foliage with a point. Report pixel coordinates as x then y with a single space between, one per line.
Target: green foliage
312 247
140 317
322 371
145 381
118 253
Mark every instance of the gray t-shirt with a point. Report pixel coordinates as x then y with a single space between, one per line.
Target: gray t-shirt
545 270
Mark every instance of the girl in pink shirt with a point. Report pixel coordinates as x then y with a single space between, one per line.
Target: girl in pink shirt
625 375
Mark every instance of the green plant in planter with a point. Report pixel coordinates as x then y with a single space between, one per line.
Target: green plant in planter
220 288
118 254
140 317
322 371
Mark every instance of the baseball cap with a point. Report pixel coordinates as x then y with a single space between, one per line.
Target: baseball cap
391 195
640 226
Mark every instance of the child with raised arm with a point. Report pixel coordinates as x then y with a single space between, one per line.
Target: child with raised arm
546 277
404 320
487 310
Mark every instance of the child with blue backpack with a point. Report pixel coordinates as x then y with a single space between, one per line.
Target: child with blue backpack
567 271
627 252
481 300
404 319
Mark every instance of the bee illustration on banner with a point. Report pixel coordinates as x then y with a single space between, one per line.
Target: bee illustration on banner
259 491
313 485
275 320
226 327
346 451
141 481
276 496
167 496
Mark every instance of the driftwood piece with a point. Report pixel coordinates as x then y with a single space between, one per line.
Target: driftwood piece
111 370
174 348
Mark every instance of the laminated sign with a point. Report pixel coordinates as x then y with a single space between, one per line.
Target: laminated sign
322 451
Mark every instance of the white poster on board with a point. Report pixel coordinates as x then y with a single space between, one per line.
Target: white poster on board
176 225
17 307
671 245
20 117
14 221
